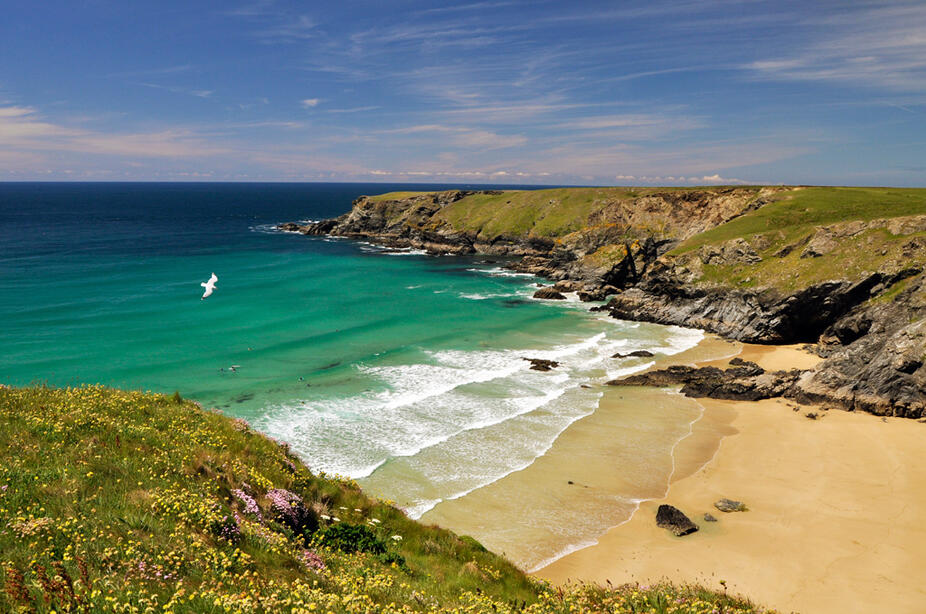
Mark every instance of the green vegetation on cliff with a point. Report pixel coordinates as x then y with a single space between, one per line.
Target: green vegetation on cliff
811 235
114 501
542 213
796 212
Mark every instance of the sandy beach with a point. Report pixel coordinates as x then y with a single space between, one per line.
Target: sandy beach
836 518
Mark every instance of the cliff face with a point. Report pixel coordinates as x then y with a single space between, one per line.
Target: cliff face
589 234
838 267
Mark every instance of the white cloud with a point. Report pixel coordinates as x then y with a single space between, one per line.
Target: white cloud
16 111
714 179
21 128
308 103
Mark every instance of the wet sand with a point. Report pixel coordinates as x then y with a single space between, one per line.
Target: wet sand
837 509
594 475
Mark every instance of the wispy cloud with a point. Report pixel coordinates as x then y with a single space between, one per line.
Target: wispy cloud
353 109
475 6
291 30
144 72
176 89
464 137
308 103
878 47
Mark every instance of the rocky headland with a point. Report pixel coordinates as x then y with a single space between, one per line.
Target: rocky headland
840 269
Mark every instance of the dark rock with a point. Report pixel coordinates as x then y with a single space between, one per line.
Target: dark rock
540 364
549 293
745 381
668 517
811 415
708 517
634 354
600 293
567 285
729 505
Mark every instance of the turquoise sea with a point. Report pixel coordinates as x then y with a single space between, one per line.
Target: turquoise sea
362 359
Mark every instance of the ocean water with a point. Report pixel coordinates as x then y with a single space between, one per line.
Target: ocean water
400 369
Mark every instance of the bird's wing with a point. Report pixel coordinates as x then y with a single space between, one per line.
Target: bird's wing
204 285
213 279
207 292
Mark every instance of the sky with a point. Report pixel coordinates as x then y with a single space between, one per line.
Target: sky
685 92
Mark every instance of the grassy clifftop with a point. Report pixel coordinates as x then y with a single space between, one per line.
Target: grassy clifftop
810 235
543 213
796 212
115 501
523 215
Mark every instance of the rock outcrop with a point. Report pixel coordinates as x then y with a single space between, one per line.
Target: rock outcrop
549 293
744 380
611 250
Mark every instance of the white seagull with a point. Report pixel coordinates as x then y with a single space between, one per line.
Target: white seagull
209 286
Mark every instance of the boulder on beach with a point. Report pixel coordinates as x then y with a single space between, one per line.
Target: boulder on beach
729 505
668 517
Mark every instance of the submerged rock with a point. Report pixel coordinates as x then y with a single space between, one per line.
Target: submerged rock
540 364
634 354
668 517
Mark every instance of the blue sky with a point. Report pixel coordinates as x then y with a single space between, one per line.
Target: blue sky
533 92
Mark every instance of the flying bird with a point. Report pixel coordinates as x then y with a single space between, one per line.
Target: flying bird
209 286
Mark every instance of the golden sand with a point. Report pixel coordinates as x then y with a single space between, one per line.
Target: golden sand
837 509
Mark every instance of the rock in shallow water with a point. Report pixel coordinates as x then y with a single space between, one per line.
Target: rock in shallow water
540 364
635 354
549 293
668 517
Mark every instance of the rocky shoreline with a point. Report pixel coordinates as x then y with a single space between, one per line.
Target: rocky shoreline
873 349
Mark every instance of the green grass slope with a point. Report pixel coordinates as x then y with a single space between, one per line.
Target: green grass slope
779 231
114 501
542 213
795 213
